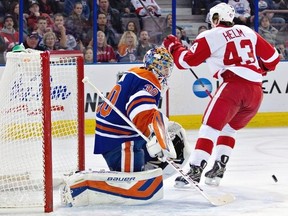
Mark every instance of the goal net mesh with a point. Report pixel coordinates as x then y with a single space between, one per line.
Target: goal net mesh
22 155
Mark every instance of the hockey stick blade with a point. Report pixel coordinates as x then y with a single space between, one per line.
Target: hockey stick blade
214 200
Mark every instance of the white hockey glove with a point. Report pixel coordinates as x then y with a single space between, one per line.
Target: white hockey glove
155 150
180 145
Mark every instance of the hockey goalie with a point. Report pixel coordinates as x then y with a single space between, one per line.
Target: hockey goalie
134 138
128 188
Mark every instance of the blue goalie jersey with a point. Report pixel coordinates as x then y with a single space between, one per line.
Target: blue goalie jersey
137 96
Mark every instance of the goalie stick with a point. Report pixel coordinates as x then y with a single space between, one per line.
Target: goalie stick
214 200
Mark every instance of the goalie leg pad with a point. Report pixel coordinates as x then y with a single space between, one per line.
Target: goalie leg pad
111 187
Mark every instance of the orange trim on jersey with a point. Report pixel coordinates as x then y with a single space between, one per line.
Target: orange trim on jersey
159 129
127 156
143 119
152 100
113 130
146 74
134 191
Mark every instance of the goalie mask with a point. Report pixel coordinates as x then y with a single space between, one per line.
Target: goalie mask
183 150
160 62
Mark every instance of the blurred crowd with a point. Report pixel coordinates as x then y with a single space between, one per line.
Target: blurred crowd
126 29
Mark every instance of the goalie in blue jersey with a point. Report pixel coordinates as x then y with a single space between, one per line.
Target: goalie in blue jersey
136 95
134 146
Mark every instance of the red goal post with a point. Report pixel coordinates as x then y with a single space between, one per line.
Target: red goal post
41 125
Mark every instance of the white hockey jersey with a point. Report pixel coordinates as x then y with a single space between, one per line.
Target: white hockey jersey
234 48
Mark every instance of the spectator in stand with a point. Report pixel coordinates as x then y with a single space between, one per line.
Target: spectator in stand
34 14
5 8
275 20
8 33
105 52
109 33
180 38
144 44
125 7
88 55
281 5
32 42
77 26
42 28
49 41
267 31
14 11
150 6
168 28
202 28
47 6
60 31
184 35
131 26
127 47
69 6
242 12
112 15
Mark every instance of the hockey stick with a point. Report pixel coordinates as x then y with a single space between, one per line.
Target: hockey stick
201 83
214 200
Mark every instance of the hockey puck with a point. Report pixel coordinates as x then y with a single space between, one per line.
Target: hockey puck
274 178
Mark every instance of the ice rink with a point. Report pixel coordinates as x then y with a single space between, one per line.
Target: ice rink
258 154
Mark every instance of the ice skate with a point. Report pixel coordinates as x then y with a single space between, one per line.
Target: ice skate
214 176
194 173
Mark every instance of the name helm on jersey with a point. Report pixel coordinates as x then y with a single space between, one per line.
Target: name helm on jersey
160 62
225 13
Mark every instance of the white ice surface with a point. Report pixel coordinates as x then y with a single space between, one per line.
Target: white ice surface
258 154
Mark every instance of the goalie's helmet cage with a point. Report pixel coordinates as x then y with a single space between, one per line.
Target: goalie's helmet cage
160 62
225 12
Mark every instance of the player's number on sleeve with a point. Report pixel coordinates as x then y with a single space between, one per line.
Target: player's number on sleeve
113 96
233 55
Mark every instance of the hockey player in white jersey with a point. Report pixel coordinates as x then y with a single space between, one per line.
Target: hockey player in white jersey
239 56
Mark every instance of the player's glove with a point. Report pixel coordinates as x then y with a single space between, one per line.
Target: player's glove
154 149
171 43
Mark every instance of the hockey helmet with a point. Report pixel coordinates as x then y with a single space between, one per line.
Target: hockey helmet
160 62
225 12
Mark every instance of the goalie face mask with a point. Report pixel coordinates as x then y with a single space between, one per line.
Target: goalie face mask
160 62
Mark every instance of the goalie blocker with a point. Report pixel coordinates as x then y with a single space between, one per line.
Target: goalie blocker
111 187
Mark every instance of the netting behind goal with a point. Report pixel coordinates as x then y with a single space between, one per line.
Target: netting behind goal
41 125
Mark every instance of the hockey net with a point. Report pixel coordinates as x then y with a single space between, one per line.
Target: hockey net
41 125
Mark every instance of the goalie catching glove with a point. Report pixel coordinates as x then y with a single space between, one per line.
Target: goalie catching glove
180 146
155 150
160 144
